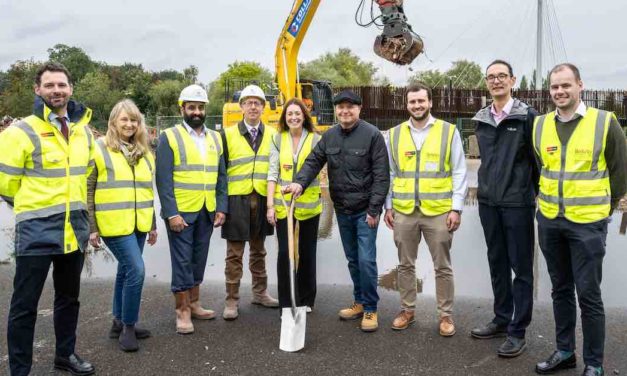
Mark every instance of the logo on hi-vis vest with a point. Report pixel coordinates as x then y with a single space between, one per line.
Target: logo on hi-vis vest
551 149
583 154
47 134
287 167
433 156
410 154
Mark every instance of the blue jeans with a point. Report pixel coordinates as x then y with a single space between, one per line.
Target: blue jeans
360 248
129 280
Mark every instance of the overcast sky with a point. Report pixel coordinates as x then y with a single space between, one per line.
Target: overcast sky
212 33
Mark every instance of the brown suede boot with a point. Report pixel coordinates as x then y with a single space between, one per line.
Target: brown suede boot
198 312
183 313
232 301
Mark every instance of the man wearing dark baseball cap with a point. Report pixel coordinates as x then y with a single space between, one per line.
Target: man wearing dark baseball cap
359 179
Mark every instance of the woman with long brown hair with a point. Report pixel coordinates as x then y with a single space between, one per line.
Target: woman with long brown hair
120 202
288 152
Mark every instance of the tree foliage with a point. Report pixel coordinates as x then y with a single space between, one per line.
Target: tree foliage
95 91
74 59
237 72
164 96
342 68
16 97
463 74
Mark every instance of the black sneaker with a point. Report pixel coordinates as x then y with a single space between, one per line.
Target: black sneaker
512 347
116 330
491 330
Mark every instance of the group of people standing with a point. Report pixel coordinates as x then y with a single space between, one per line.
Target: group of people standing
69 189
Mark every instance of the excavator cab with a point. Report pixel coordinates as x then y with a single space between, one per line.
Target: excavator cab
398 43
318 97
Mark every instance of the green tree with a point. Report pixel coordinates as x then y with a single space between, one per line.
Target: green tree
463 74
191 74
95 91
17 97
74 59
4 81
168 75
342 68
133 81
164 97
236 71
524 84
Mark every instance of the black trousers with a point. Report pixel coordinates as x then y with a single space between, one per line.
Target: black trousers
509 234
30 276
306 274
574 257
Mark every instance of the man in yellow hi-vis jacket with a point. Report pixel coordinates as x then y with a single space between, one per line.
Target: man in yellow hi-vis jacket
43 175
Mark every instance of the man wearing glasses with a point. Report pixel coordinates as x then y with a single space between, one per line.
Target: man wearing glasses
247 151
508 184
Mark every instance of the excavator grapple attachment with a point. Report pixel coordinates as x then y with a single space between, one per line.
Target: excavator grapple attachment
401 49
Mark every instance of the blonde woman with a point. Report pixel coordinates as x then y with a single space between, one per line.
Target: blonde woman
120 202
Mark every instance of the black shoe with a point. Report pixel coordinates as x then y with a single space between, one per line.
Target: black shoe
491 330
556 363
116 330
128 340
75 365
512 347
592 371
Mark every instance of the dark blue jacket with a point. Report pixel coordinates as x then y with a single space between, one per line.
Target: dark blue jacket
508 175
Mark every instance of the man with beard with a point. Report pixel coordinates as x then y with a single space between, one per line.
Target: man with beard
247 154
44 165
428 174
191 181
583 159
508 184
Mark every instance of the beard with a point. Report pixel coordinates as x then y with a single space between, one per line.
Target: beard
194 121
53 107
421 117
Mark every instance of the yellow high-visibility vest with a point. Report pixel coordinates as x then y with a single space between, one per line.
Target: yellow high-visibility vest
195 175
308 205
52 177
574 181
246 170
422 177
124 197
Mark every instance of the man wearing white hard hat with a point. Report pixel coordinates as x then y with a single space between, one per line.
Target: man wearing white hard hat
191 181
247 151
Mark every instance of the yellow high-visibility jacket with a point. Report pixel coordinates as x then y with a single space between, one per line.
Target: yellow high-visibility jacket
45 178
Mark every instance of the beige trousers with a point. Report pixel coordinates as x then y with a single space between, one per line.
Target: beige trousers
408 230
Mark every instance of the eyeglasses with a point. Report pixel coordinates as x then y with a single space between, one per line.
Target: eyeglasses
500 77
252 104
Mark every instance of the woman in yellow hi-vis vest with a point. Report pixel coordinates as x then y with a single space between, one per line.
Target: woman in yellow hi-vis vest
120 202
288 152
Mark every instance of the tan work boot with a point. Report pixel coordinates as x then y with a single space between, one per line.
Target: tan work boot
369 322
352 313
183 313
230 310
403 320
447 326
265 300
198 312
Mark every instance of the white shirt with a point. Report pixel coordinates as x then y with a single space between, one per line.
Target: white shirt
581 111
199 139
249 127
54 120
458 163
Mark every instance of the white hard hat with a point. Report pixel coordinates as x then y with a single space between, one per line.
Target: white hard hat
252 91
193 93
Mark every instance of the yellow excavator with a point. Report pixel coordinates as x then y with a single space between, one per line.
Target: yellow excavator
397 44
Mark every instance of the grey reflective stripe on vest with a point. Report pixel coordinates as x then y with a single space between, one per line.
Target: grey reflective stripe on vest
599 131
48 211
54 172
90 138
196 167
194 186
262 158
258 176
587 175
124 205
300 205
538 137
123 184
314 184
34 139
215 141
425 174
241 161
107 160
446 129
179 141
423 196
576 201
150 167
394 145
9 170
